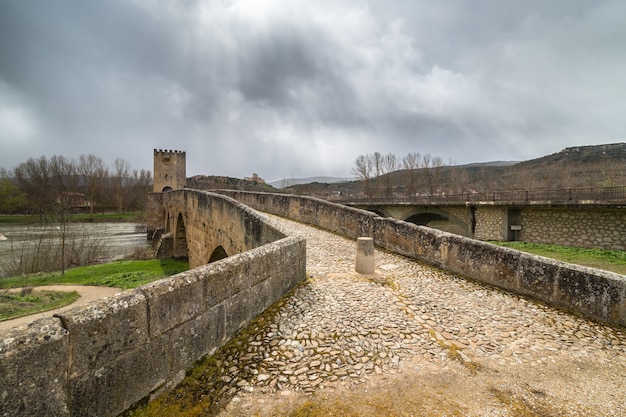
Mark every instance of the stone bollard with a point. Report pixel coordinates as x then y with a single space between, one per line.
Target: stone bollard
364 255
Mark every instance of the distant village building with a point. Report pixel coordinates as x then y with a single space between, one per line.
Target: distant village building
255 179
73 200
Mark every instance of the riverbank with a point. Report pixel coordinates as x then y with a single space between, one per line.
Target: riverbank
132 217
123 274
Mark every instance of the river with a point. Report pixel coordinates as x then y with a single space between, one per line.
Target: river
118 239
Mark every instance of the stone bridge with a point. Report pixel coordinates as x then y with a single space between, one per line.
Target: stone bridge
198 226
104 357
585 223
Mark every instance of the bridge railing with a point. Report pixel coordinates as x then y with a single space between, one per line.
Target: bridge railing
569 195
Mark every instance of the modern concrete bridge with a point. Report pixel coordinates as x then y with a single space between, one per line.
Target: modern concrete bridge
589 217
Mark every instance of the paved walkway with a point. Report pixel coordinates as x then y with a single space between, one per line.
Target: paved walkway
87 294
439 343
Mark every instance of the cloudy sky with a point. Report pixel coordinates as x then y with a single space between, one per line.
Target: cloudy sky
297 88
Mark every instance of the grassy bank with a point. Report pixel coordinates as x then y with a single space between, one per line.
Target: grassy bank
137 217
17 304
608 260
120 274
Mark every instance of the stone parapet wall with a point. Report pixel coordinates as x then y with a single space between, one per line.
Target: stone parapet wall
596 294
101 358
597 228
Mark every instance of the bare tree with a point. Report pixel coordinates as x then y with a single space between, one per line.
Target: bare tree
431 167
377 165
411 162
363 165
457 178
33 177
138 188
121 175
63 173
610 171
94 173
389 165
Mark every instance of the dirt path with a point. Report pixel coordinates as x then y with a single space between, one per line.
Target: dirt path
87 295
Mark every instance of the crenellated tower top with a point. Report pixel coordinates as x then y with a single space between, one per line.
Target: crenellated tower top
170 170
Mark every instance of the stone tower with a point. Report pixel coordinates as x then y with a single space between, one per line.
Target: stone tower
170 171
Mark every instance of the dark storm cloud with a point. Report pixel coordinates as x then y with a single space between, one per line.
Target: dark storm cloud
297 88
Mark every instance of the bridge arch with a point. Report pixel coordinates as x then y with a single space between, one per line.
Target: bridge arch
217 254
378 211
181 249
437 219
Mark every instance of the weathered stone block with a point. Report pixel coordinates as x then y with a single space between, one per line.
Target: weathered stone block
238 310
397 236
173 301
104 329
196 337
482 261
598 294
110 389
291 252
34 370
537 276
225 278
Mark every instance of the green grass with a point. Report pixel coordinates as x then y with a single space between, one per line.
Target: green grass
12 219
120 274
83 217
109 217
17 304
609 260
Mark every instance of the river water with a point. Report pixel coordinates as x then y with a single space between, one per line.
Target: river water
118 239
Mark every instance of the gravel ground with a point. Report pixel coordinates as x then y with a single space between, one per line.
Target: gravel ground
415 340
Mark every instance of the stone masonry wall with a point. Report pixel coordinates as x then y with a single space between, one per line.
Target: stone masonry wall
599 228
490 223
103 357
463 214
596 294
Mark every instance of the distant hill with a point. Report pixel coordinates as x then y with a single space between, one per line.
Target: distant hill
489 164
299 181
574 167
204 182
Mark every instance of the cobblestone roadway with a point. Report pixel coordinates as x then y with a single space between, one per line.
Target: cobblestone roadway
342 329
